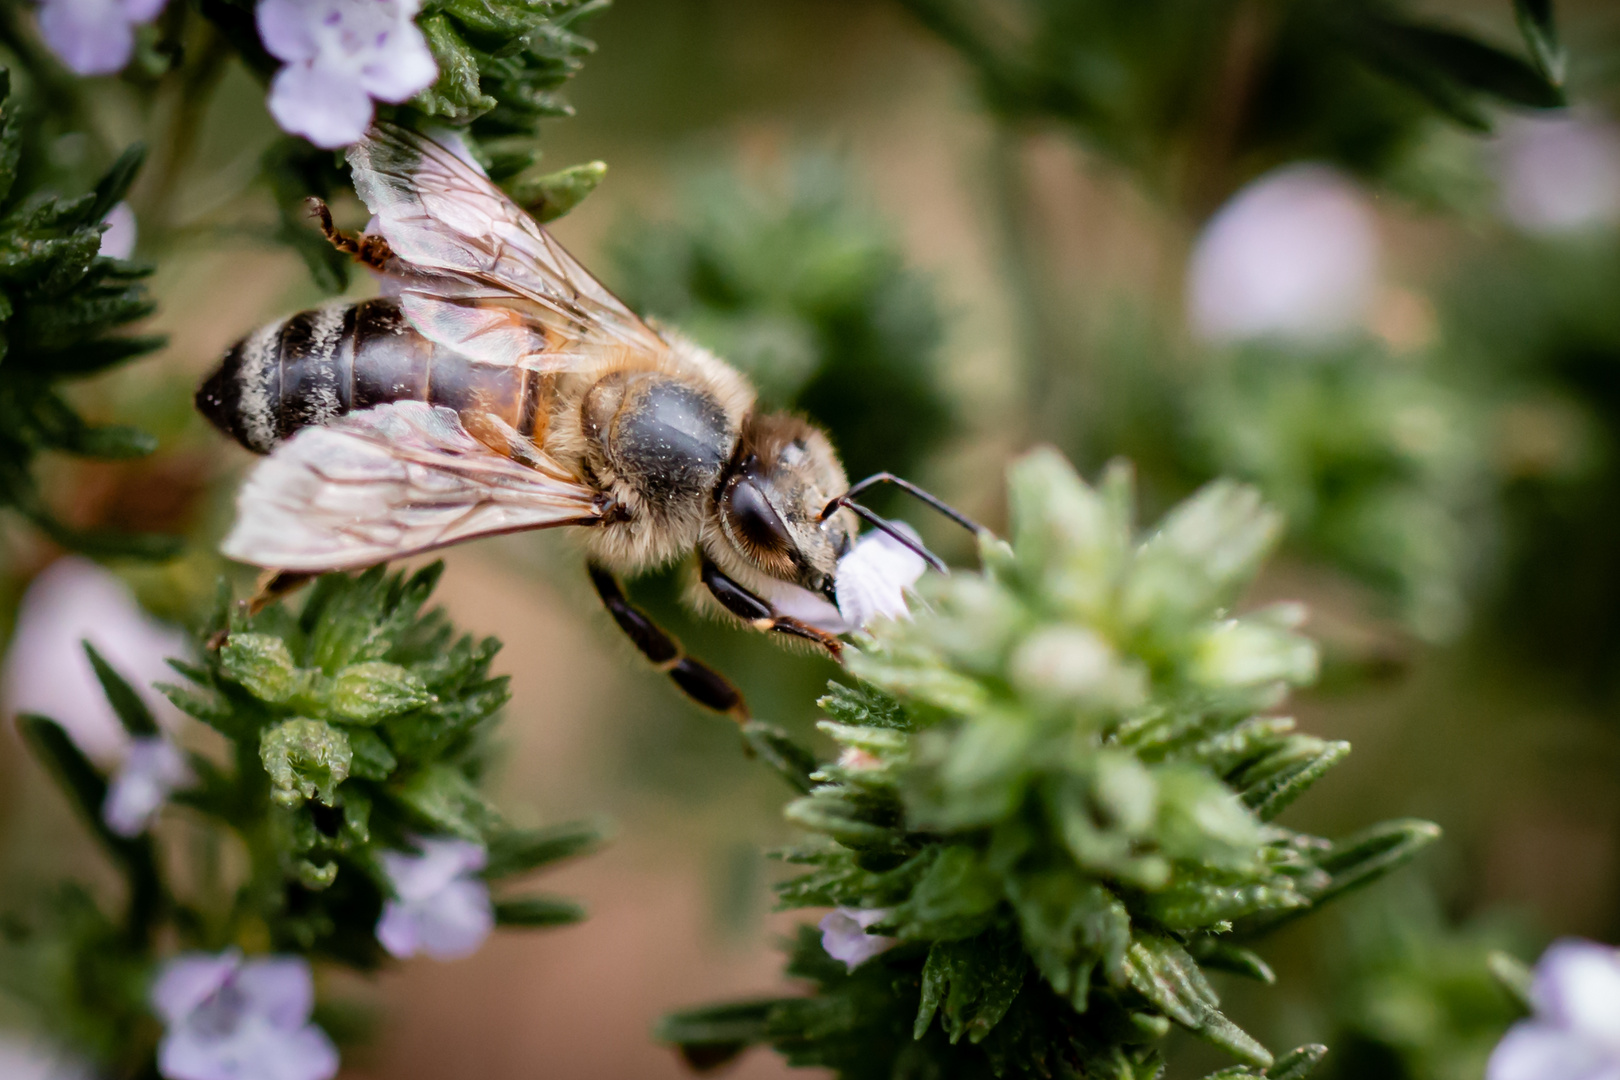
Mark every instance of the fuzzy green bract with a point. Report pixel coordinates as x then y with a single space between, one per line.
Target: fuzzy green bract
1060 780
60 304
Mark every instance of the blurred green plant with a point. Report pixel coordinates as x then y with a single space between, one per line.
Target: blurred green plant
1056 793
1196 97
61 306
354 727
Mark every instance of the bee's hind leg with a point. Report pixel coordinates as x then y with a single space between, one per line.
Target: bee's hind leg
698 681
371 250
760 615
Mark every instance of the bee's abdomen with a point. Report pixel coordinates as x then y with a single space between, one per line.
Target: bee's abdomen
317 365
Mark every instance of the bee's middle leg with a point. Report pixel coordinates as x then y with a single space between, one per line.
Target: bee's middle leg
698 681
371 250
759 614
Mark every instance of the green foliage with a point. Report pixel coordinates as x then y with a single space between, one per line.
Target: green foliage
355 726
1378 465
1059 784
60 305
810 297
1198 96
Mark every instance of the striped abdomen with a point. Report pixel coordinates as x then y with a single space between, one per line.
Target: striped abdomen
317 365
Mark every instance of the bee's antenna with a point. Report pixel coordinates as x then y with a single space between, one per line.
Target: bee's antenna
848 497
885 525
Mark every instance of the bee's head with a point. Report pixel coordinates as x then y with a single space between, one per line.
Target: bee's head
770 499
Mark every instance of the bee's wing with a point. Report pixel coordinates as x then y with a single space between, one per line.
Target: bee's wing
392 481
480 275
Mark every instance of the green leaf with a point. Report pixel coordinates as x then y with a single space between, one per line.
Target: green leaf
306 759
367 692
1535 19
126 703
551 196
262 664
1514 976
115 184
443 797
1298 1064
373 760
534 911
518 851
977 981
778 750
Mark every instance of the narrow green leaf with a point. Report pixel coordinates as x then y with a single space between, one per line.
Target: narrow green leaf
534 911
1535 19
778 750
115 184
517 851
126 703
1514 976
1298 1064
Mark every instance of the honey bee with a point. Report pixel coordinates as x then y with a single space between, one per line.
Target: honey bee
496 386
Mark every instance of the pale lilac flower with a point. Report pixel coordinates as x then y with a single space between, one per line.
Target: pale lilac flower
844 936
1559 176
871 582
29 1060
228 1018
118 242
94 37
1294 255
152 770
1574 1033
440 906
341 55
47 672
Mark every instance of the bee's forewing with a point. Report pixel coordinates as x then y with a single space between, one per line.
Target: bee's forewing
467 249
391 481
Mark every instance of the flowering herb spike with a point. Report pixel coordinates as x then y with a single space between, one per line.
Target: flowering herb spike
1053 807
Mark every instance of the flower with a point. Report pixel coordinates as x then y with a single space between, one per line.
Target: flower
1560 176
1574 1033
340 55
153 768
871 583
844 936
46 671
94 37
440 907
34 1061
118 241
1293 255
233 1019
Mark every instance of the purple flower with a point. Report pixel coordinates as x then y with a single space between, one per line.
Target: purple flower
47 672
118 241
340 56
1294 255
152 770
1560 176
233 1019
94 37
440 906
844 936
1574 1033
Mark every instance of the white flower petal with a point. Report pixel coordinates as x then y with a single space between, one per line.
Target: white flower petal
47 672
844 936
404 67
1560 175
188 980
330 109
92 37
802 604
279 988
440 907
873 579
457 921
286 28
1293 255
1533 1050
118 241
152 770
1577 987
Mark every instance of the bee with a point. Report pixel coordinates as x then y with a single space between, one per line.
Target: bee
496 386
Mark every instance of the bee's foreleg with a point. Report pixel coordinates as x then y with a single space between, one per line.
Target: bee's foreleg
371 250
698 681
760 615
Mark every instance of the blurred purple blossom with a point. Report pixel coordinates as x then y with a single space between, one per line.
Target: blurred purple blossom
340 56
118 241
94 37
1294 255
1574 1033
27 1060
228 1018
47 672
440 905
1560 176
844 936
151 771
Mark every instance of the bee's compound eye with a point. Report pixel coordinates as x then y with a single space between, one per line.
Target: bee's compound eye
752 520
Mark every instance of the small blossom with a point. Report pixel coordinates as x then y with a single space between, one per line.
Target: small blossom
855 759
873 579
844 936
152 770
118 241
34 1061
1294 255
94 37
1574 1033
440 906
1560 176
228 1018
46 671
340 56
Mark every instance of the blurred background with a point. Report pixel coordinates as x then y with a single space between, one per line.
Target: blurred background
1262 239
